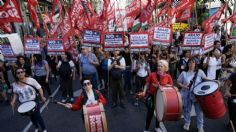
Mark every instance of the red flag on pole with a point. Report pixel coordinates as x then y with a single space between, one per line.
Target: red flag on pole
10 12
6 27
133 9
147 12
33 14
76 10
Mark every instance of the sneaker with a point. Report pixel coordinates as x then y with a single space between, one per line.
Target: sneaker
186 126
36 130
63 100
145 131
200 129
158 130
44 130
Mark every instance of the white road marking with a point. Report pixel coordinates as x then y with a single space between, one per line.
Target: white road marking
41 109
162 126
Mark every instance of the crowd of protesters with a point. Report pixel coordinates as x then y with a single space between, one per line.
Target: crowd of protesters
123 73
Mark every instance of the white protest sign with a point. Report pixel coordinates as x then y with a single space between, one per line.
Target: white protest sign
162 34
209 41
113 40
139 40
32 46
91 38
192 39
55 46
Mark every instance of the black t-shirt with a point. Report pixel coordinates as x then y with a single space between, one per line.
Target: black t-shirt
232 78
127 58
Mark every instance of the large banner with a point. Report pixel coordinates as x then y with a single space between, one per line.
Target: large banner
6 48
15 45
55 46
113 40
162 35
192 39
139 41
209 42
10 12
91 38
233 32
32 46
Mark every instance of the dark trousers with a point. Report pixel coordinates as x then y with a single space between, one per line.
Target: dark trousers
42 81
149 117
140 83
127 79
218 73
105 77
66 87
232 110
117 92
37 119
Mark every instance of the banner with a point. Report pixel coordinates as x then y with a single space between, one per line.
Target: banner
113 40
233 31
162 35
10 12
32 46
209 40
55 46
91 38
6 48
192 39
16 43
139 41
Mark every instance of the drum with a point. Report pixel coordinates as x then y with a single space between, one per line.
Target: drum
168 103
27 108
95 119
210 99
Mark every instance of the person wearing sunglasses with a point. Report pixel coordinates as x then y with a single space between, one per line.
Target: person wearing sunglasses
26 89
88 96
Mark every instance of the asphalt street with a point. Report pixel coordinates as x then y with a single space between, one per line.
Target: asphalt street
131 119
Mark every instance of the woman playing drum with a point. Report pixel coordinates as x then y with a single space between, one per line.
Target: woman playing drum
160 77
25 88
187 80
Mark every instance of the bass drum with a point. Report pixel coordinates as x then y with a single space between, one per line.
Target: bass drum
168 103
210 99
27 108
95 119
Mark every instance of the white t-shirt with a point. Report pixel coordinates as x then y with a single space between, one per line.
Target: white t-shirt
143 69
72 65
212 67
26 93
122 61
91 98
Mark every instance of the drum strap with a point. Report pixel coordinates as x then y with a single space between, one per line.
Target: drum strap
37 91
192 82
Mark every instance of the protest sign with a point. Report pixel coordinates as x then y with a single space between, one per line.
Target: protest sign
32 46
91 38
55 46
162 35
233 32
192 39
6 48
113 40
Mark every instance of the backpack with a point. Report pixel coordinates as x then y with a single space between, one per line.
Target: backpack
116 73
65 70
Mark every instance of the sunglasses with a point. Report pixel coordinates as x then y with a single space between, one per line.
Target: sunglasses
86 84
19 72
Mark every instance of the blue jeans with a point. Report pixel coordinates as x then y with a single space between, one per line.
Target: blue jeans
37 119
93 78
127 79
187 106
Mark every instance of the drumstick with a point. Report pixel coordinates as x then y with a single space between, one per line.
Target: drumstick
60 103
232 125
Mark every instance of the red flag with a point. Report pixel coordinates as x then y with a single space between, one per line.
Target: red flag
111 12
76 10
66 30
184 4
130 21
56 18
6 27
10 12
163 11
147 12
89 11
133 9
47 18
185 14
33 14
214 17
33 2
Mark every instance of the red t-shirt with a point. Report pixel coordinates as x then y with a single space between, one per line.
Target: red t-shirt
152 79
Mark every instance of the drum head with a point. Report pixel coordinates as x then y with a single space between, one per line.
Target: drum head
160 105
234 101
205 88
26 107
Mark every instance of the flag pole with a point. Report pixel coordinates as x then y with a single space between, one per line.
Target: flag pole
195 8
